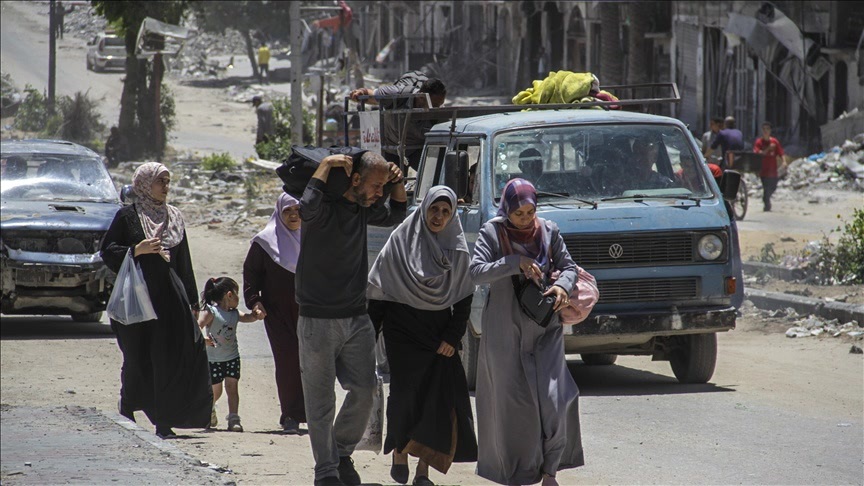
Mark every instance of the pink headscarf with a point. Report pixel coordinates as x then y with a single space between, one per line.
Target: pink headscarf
282 244
158 219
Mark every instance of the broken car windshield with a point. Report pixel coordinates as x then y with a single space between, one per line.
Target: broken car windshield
40 177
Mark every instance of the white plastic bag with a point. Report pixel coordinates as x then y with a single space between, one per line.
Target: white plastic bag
130 301
373 437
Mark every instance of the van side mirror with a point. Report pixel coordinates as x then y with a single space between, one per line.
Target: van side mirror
127 194
456 172
729 184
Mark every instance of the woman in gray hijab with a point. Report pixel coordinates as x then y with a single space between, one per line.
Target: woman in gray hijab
421 292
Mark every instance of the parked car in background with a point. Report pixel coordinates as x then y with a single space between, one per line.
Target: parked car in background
106 51
58 201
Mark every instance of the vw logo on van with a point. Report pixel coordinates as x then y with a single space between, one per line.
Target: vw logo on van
616 250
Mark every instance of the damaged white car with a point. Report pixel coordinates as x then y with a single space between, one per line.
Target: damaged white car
58 201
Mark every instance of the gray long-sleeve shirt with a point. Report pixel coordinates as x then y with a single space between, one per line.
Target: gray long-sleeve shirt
415 131
334 264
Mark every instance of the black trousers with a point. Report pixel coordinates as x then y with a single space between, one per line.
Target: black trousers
769 185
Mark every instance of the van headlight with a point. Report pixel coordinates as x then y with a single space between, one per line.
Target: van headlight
710 247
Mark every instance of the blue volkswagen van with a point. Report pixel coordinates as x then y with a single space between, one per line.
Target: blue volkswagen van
637 207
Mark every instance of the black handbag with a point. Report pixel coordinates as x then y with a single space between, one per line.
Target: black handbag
538 307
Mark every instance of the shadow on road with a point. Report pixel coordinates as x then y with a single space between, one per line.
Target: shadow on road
52 327
616 380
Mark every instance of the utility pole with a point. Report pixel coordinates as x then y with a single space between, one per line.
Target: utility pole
296 74
52 53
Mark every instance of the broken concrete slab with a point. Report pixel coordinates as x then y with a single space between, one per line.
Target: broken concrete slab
805 305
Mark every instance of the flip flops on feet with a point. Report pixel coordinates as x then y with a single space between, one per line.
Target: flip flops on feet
214 420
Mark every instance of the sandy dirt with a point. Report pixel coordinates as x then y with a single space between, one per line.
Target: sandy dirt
47 361
50 361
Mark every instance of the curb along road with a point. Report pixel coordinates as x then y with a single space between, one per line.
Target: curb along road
805 305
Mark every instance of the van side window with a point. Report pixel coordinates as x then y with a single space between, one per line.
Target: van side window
474 154
430 169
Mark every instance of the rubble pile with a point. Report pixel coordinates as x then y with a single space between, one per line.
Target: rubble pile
815 326
194 58
83 22
240 201
805 326
841 167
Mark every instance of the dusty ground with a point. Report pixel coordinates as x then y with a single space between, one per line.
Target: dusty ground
47 361
50 361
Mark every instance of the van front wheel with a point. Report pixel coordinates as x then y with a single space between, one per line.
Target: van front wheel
694 357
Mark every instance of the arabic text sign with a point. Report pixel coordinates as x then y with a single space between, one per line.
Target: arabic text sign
370 131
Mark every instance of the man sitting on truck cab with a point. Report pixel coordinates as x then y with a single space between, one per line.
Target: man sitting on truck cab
415 132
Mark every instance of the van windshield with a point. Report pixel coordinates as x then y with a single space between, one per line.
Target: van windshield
601 161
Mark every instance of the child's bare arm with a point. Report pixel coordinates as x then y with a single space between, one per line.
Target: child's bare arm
205 320
250 317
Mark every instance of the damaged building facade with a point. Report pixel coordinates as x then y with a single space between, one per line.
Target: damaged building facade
794 63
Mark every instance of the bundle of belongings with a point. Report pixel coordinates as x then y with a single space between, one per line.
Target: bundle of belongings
299 167
565 87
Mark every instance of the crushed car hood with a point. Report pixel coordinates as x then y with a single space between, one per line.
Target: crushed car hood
65 215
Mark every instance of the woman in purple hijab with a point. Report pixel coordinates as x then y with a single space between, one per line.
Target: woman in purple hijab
268 285
527 402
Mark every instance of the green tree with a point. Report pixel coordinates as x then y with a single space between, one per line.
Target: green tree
138 121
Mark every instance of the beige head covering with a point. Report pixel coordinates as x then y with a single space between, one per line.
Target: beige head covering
158 219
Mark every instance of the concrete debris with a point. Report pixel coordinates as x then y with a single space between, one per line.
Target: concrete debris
217 468
815 326
227 176
788 313
856 350
842 167
195 60
230 199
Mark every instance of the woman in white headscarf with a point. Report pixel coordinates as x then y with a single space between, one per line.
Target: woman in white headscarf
165 371
421 291
268 286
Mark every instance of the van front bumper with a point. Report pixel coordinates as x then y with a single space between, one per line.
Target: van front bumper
656 323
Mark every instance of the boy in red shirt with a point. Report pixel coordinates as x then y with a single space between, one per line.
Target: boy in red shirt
772 156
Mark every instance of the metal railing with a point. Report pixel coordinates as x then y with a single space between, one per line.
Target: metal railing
452 113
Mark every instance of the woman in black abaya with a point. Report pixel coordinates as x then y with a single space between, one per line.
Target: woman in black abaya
420 289
165 371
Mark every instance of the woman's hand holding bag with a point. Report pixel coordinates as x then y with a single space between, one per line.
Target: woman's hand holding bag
583 297
130 300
